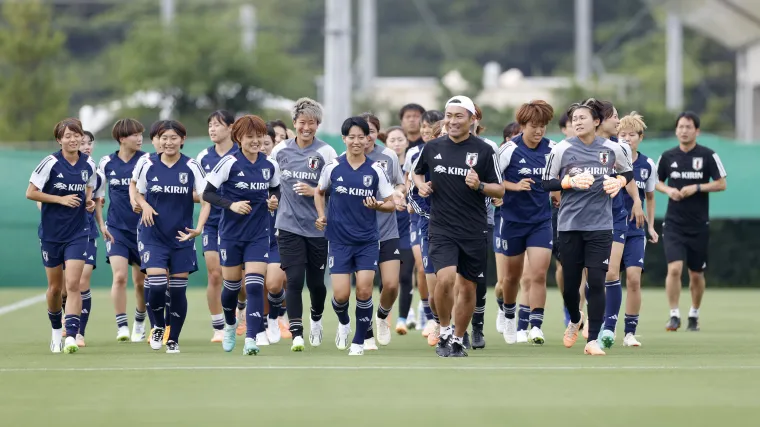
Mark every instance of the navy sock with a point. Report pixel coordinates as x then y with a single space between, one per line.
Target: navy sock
140 315
613 301
537 317
64 297
426 308
510 310
217 321
178 314
631 322
55 319
230 292
254 287
121 320
241 305
364 313
382 312
478 317
523 317
86 307
168 307
72 325
275 303
283 310
146 296
341 309
157 298
436 319
500 303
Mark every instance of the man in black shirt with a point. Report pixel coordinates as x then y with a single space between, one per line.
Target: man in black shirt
411 120
687 169
463 173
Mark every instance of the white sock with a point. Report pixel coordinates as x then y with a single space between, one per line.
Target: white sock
675 312
446 331
694 312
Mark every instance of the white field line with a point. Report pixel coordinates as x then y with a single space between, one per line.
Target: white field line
18 305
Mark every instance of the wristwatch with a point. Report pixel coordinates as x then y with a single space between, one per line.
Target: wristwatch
481 186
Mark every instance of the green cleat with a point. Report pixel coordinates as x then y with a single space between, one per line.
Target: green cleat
250 349
606 338
70 346
229 340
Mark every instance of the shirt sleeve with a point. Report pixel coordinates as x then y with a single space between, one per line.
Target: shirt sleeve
384 187
41 173
717 171
324 179
505 156
662 168
142 178
623 161
142 162
92 182
201 155
397 177
221 172
199 177
554 163
100 190
274 181
491 166
408 160
652 178
420 165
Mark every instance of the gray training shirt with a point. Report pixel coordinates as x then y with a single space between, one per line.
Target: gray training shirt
297 214
388 160
586 210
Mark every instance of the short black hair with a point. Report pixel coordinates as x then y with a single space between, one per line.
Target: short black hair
270 131
277 124
155 127
689 115
563 119
431 116
222 116
510 131
354 121
90 135
410 107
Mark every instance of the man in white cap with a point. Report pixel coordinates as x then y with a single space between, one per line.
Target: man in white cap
463 172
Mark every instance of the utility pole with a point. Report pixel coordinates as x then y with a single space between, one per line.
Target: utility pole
367 43
338 79
674 63
248 25
167 12
583 40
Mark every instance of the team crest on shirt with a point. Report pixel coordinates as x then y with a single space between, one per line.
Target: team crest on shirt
266 173
367 180
697 163
223 254
86 175
313 163
183 178
383 164
604 157
471 160
644 174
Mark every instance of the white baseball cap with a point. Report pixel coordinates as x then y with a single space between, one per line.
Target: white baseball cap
462 101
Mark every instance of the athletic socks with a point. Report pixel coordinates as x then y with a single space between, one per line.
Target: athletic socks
315 315
694 312
217 321
178 313
382 313
428 311
446 331
341 309
230 292
121 320
537 317
613 301
64 297
86 307
500 303
168 307
157 298
523 318
254 288
631 322
364 309
675 313
283 310
510 310
72 325
275 303
55 319
139 315
146 296
241 305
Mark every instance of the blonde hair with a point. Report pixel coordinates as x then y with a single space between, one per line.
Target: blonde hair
307 107
633 121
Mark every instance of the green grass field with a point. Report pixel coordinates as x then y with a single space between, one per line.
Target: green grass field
693 379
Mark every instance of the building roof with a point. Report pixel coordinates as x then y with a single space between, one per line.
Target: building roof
733 23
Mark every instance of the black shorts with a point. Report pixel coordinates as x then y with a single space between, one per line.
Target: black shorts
489 236
389 251
588 248
469 256
690 246
555 245
299 250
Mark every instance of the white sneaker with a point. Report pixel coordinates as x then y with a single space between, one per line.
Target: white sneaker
297 345
70 345
356 350
500 321
315 333
369 344
56 341
218 335
123 334
341 337
157 338
522 336
262 339
383 331
536 336
631 341
273 331
138 331
510 331
172 347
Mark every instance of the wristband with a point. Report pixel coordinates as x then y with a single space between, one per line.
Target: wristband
481 186
699 188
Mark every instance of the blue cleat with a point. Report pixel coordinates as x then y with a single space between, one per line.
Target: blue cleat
229 340
606 338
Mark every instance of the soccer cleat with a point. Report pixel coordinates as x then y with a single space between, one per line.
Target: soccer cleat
429 326
157 338
229 340
693 325
673 324
56 341
631 341
166 334
510 331
297 345
383 331
70 345
478 339
411 320
150 334
172 347
138 331
606 338
457 350
444 347
571 333
241 326
80 341
273 331
122 335
262 339
465 338
522 336
500 320
315 333
435 333
341 337
536 336
356 350
401 326
370 344
284 328
218 335
592 349
251 348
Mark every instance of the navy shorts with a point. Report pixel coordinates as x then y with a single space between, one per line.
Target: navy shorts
274 250
618 235
427 263
633 253
210 239
233 253
516 237
347 259
92 253
55 254
414 236
497 246
174 260
124 245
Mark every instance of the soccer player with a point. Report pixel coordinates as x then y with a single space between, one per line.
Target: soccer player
590 171
247 180
463 174
219 128
410 116
280 130
120 227
359 188
303 248
526 218
167 184
566 126
63 183
687 169
631 129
